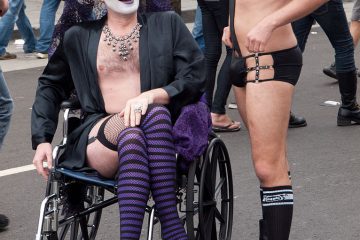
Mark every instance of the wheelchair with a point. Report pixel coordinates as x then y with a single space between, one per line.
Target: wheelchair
204 194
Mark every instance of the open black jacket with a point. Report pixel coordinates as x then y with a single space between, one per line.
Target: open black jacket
169 59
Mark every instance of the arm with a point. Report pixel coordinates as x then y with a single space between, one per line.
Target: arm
189 67
258 37
4 5
187 81
54 86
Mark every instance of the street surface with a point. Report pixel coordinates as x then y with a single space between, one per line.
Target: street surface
324 160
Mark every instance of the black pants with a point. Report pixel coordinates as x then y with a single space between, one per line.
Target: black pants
214 19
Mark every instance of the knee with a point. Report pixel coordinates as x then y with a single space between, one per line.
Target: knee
271 171
7 109
130 138
158 110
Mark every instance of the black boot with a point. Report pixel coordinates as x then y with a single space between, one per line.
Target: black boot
296 121
4 222
349 110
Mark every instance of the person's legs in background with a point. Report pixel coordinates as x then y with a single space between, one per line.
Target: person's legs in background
197 31
24 25
6 108
214 19
355 33
47 21
335 25
7 23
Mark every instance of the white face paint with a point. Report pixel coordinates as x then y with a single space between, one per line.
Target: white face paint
123 7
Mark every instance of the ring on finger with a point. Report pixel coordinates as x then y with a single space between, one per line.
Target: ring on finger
138 107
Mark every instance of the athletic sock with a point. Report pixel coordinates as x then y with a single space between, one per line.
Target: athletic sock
277 207
133 182
157 127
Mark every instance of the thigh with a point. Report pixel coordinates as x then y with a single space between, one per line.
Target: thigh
99 157
240 96
267 110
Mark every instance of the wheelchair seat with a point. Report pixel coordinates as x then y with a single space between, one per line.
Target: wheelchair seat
92 178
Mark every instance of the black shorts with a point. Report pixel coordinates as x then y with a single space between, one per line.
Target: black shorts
287 67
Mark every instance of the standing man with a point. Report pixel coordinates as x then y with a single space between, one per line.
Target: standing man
47 25
16 14
6 106
264 95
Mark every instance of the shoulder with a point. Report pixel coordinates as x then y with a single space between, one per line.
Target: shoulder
164 18
80 29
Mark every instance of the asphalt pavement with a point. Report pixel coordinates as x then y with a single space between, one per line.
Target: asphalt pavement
324 160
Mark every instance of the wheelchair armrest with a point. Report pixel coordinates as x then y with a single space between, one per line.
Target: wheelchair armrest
71 104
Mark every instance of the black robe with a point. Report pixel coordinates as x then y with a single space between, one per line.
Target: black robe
169 59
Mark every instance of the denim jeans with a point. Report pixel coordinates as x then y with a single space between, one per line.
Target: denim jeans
332 19
197 31
16 14
214 19
47 24
6 108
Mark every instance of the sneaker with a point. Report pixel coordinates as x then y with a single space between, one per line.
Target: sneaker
7 56
330 71
232 106
40 55
4 222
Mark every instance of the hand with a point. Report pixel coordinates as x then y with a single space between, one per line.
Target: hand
4 5
135 108
43 154
226 37
258 37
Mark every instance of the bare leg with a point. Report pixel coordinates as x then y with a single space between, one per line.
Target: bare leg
267 111
355 31
101 158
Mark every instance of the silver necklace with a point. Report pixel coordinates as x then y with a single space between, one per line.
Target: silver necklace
124 42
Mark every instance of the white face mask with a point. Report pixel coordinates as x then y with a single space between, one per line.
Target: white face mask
122 7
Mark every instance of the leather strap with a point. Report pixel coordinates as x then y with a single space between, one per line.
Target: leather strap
232 29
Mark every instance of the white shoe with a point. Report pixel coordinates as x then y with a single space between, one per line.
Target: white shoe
41 55
232 106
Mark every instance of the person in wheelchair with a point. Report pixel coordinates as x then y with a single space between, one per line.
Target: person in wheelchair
132 75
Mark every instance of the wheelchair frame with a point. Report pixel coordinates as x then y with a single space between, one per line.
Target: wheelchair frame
208 178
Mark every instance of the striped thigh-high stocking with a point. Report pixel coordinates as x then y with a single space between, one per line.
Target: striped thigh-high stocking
133 182
157 128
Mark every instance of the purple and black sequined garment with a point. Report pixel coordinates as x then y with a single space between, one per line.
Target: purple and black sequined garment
76 11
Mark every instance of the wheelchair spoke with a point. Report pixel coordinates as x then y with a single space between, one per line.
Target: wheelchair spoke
218 188
219 216
74 230
64 231
84 231
209 224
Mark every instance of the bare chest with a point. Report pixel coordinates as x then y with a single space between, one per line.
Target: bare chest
115 58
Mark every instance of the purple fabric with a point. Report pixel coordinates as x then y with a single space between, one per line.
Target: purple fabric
191 131
158 5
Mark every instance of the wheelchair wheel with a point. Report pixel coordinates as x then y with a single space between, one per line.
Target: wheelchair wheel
73 219
209 195
75 226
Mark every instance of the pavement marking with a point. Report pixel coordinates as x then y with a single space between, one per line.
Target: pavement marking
16 170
